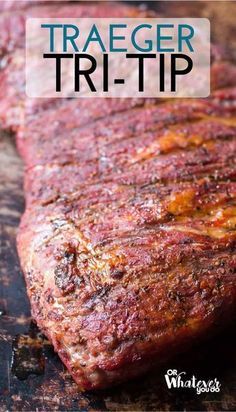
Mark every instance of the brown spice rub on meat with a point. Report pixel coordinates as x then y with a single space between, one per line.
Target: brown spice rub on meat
128 239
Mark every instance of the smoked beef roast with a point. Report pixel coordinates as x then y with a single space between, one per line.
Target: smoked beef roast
128 239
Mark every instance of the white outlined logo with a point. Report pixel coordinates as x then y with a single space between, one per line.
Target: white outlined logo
177 380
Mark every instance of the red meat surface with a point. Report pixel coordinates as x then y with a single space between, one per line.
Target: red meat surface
127 242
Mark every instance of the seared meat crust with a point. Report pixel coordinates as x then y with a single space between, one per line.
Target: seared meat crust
128 239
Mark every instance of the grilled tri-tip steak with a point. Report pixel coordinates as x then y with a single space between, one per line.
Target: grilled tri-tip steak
128 239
